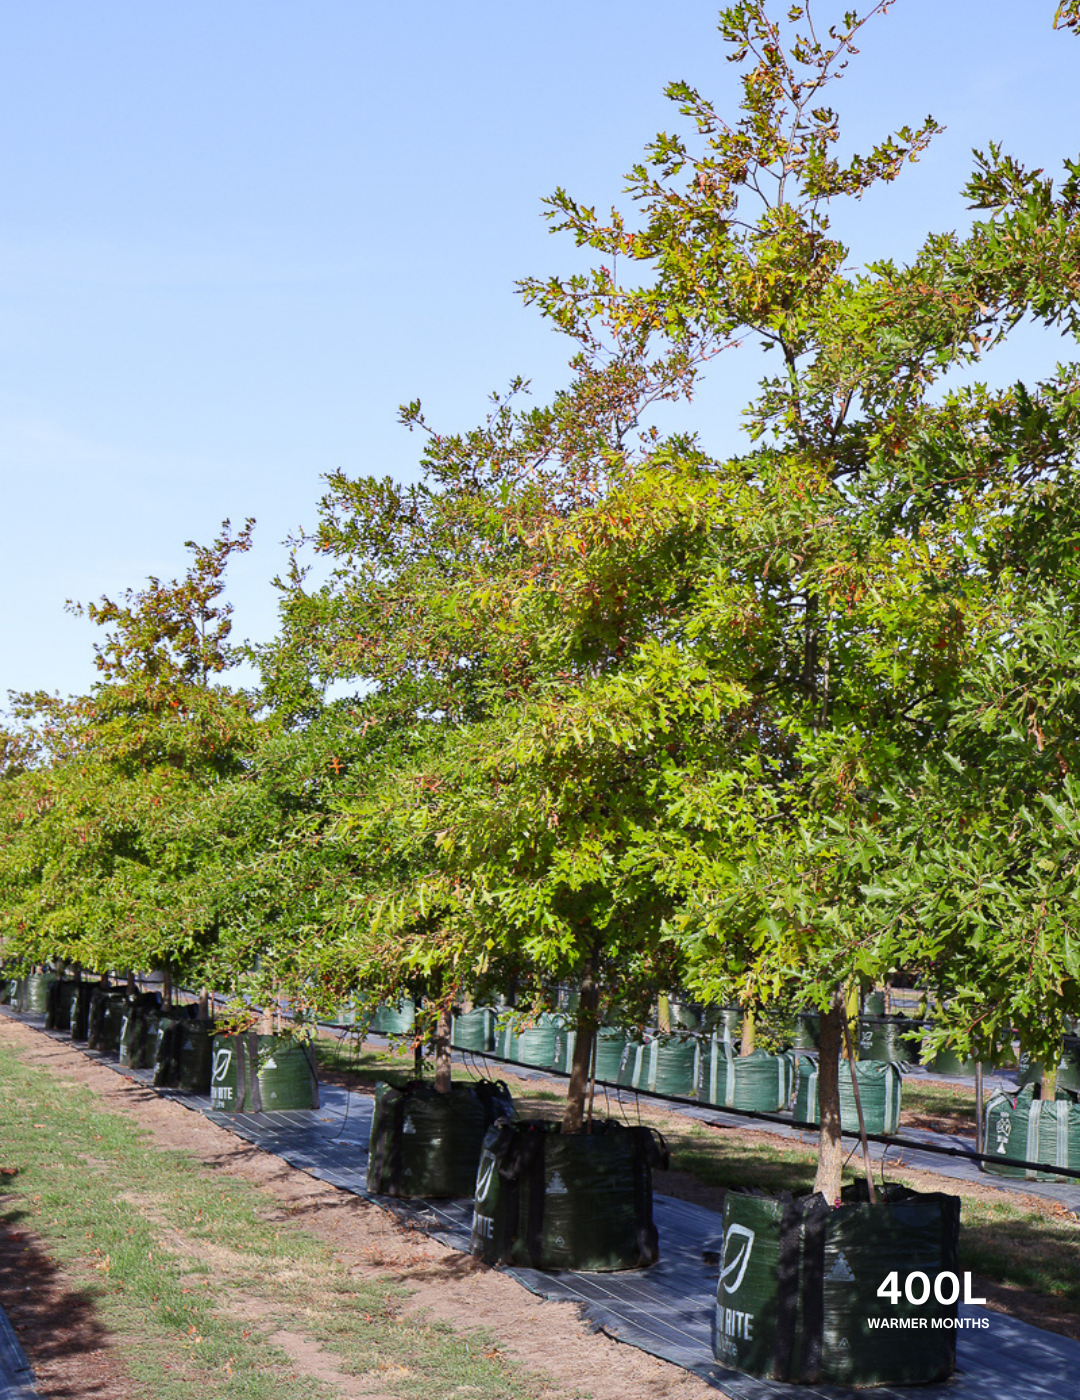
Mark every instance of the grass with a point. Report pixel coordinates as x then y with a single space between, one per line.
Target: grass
186 1269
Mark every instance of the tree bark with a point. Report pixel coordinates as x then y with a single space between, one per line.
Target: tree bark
166 987
830 1144
747 1038
663 1012
574 1113
204 1004
442 1051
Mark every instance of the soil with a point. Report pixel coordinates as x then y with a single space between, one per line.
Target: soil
74 1358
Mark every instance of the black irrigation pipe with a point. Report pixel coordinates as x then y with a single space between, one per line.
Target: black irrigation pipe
888 1141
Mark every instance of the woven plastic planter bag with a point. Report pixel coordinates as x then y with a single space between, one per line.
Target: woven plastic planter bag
947 1061
892 1038
534 1045
34 992
550 1200
397 1019
757 1081
426 1143
183 1054
1020 1128
806 1033
79 999
474 1030
262 1073
662 1065
58 1005
798 1288
105 1020
880 1087
139 1032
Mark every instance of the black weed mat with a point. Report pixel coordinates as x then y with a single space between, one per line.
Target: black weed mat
16 1377
666 1310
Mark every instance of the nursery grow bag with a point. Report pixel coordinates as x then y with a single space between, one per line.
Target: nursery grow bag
34 992
799 1279
80 995
138 1032
948 1061
724 1021
424 1143
538 1045
806 1034
256 1073
551 1200
183 1053
608 1050
757 1081
474 1030
892 1038
1020 1128
5 990
880 1086
58 1005
105 1019
661 1065
390 1019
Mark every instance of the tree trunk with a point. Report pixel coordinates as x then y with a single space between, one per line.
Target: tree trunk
830 1144
204 1004
574 1113
166 987
663 1012
746 1042
442 1051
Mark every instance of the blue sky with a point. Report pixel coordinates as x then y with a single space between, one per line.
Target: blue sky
233 238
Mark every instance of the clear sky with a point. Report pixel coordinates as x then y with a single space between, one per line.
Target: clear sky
234 237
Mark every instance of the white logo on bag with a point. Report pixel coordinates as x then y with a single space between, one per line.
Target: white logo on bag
1004 1131
556 1186
738 1265
222 1061
840 1271
410 1127
483 1176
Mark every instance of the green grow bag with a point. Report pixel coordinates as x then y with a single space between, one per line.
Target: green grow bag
948 1061
806 1033
34 992
5 990
684 1015
798 1288
397 1019
880 1086
79 998
183 1053
576 1201
874 1004
424 1143
262 1073
1020 1128
610 1044
538 1045
105 1020
757 1081
474 1030
663 1065
1068 1070
889 1038
724 1021
1028 1071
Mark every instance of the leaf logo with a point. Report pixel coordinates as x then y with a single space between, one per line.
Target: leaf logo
738 1235
222 1061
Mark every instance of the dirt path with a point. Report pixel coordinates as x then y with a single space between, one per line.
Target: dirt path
75 1360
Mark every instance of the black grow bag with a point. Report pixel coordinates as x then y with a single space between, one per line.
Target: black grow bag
183 1055
80 994
426 1143
138 1031
58 1005
797 1296
567 1201
106 1020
